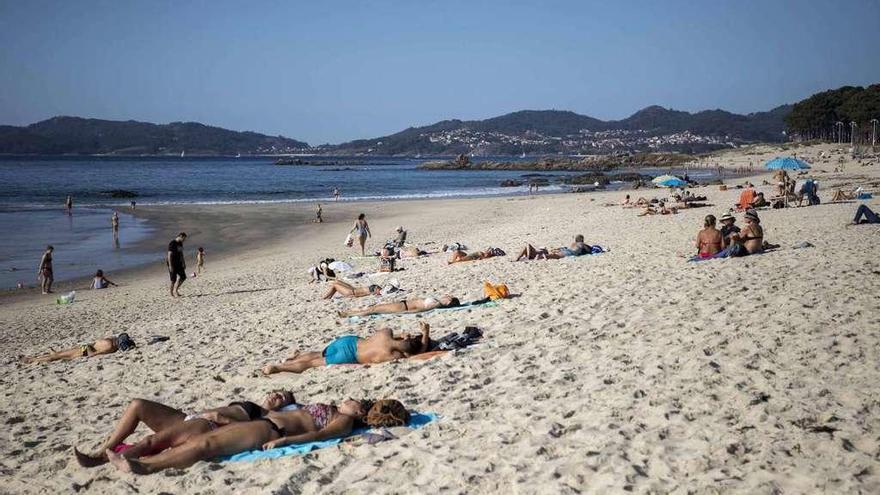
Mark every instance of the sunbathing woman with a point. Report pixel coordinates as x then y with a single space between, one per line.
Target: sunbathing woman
172 427
311 423
578 248
459 256
381 347
345 289
709 240
412 305
107 345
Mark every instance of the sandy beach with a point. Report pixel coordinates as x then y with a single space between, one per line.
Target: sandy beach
632 370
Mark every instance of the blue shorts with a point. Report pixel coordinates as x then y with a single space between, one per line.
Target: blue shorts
342 350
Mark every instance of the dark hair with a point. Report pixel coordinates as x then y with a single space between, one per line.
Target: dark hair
182 234
201 249
710 221
99 273
361 216
579 238
387 412
453 303
412 345
50 247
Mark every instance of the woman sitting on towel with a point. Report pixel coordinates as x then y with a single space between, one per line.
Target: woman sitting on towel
578 248
345 289
172 427
459 256
411 305
310 423
380 347
709 240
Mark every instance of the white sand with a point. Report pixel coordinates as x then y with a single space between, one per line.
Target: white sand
628 370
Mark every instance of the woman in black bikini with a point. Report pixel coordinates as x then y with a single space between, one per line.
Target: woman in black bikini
45 273
173 427
276 429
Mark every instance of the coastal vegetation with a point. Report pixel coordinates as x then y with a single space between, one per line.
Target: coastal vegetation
836 114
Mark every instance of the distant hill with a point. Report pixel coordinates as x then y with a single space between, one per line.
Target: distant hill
550 131
74 135
817 116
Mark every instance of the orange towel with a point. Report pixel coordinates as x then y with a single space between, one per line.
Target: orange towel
746 198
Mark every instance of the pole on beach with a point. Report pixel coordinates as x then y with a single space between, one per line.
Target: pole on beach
874 133
852 133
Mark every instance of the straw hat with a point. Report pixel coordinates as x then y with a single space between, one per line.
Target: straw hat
727 216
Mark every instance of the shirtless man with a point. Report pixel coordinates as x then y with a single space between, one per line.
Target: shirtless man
381 347
577 248
345 289
709 240
459 256
107 345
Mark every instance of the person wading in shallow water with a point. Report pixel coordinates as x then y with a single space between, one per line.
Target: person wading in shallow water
176 263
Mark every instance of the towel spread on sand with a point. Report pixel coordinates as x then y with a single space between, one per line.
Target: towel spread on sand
475 304
417 420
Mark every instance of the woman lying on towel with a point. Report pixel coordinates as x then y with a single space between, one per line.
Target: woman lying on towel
459 256
411 305
345 289
172 427
310 423
578 248
381 347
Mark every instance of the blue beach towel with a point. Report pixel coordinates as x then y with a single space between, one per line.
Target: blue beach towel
417 420
475 304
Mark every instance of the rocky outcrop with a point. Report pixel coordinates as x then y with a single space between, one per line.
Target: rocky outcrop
596 163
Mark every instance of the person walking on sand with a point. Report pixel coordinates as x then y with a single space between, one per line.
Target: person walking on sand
336 194
44 272
176 263
318 213
68 205
362 228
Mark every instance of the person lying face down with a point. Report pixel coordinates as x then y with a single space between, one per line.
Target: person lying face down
107 345
459 255
310 423
380 347
411 305
577 248
172 427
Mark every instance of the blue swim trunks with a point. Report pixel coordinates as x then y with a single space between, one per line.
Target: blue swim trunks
342 350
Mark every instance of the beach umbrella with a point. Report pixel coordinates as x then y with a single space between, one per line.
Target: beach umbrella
668 181
787 163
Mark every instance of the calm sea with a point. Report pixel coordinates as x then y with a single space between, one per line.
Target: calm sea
33 190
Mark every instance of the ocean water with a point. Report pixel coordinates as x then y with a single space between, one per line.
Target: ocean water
33 190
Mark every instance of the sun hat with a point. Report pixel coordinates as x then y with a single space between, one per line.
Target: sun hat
752 215
727 216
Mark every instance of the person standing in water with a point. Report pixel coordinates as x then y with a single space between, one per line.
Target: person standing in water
336 193
362 230
176 263
44 272
68 205
318 212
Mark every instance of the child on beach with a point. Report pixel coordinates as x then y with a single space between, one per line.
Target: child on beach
101 282
200 260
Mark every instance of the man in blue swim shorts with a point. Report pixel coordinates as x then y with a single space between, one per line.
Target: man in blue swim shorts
381 347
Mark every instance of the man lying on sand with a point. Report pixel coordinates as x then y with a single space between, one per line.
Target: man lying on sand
107 345
459 256
345 289
381 347
577 248
311 423
411 305
172 427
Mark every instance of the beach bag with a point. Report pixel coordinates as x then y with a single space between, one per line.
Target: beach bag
495 292
349 240
386 264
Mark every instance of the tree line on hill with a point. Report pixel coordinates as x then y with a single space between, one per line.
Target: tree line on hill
841 114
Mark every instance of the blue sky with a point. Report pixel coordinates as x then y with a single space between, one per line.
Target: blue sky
335 71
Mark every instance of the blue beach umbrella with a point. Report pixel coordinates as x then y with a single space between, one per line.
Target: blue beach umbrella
668 181
787 163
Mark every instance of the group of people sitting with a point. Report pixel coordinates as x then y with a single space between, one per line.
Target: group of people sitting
179 440
730 240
